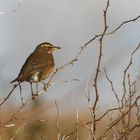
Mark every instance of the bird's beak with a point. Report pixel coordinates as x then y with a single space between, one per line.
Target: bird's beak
56 48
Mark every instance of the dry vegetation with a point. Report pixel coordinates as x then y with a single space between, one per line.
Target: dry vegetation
121 122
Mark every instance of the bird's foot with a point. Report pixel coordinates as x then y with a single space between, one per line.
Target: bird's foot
34 96
46 86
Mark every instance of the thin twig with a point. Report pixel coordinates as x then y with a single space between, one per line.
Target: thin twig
77 124
64 81
5 99
57 122
30 119
126 69
110 115
99 63
22 100
87 93
116 121
112 87
18 130
122 24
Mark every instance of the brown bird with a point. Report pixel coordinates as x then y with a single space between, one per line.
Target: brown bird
39 65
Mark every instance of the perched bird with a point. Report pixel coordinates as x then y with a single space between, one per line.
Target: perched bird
38 65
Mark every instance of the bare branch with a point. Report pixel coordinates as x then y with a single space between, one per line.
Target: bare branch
6 98
18 130
112 87
99 63
123 23
57 122
126 69
116 121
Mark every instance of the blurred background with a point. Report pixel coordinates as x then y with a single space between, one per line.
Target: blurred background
69 24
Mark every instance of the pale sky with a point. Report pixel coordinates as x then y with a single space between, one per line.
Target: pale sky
69 24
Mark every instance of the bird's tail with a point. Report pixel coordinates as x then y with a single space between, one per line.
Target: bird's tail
20 78
14 80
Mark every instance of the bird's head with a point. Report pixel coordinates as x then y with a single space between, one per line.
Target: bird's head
47 47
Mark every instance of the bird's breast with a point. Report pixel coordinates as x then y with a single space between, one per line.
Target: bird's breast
34 77
46 72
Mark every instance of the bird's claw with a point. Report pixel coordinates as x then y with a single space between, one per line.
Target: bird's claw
34 96
46 86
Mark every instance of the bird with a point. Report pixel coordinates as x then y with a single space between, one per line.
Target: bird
38 65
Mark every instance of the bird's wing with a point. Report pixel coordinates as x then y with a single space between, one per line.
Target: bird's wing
36 62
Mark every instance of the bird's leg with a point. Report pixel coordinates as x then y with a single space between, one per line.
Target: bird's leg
32 93
21 94
45 86
36 89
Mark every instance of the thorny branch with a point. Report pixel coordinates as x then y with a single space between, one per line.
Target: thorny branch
125 108
57 122
116 121
123 23
117 109
122 108
18 130
82 49
111 84
98 65
115 30
125 71
6 98
87 92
